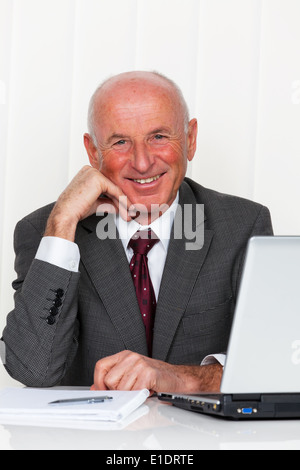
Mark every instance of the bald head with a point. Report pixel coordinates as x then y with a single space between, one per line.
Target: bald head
131 83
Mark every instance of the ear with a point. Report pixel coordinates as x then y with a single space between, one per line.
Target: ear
192 139
92 151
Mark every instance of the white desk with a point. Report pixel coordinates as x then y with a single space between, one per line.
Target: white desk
162 427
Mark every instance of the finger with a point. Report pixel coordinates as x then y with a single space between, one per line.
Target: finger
118 374
99 376
106 206
123 207
121 380
118 199
102 368
145 378
128 372
126 208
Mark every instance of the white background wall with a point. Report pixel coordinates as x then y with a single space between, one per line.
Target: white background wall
237 62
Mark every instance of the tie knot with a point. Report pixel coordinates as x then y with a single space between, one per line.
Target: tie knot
142 241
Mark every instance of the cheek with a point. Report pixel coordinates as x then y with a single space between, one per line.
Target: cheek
175 157
173 153
112 164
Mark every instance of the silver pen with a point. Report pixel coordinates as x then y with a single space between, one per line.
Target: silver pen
81 401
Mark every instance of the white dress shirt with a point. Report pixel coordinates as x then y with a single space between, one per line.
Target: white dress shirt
157 255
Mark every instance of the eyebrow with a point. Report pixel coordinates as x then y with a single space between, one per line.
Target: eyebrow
161 130
123 136
116 137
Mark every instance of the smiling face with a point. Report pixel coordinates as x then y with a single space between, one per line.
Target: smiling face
142 143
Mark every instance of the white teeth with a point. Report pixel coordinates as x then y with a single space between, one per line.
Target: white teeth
148 180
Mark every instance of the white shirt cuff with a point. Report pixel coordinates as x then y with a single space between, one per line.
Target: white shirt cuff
2 352
60 252
214 359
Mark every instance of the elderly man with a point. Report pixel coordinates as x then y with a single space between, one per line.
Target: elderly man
132 310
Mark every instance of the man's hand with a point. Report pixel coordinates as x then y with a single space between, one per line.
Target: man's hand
80 199
131 371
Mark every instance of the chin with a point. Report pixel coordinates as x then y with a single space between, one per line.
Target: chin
148 202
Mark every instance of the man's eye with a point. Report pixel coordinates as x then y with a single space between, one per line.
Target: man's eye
159 139
120 142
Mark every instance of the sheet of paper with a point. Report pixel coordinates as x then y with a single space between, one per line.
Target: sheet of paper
35 402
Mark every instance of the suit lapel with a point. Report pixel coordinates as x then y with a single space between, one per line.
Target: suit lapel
107 266
181 271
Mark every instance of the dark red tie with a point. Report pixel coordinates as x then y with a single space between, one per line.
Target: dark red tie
141 243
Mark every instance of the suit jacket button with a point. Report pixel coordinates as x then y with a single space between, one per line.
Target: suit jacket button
53 311
60 293
51 320
57 303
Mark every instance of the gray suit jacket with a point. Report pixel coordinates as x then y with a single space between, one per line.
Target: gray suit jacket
99 313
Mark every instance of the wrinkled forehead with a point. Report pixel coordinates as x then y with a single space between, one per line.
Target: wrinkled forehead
131 91
137 99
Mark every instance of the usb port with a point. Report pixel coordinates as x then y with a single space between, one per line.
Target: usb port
247 411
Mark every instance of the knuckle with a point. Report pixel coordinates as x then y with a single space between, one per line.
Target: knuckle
134 358
85 168
99 367
110 382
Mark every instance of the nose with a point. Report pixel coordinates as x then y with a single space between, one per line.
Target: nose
142 159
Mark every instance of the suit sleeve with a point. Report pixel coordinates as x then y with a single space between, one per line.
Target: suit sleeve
262 226
41 332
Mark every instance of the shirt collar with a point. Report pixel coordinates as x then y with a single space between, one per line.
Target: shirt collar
162 226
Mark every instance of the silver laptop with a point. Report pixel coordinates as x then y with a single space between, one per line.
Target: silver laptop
261 377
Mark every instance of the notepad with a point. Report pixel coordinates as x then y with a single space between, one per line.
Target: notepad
31 402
